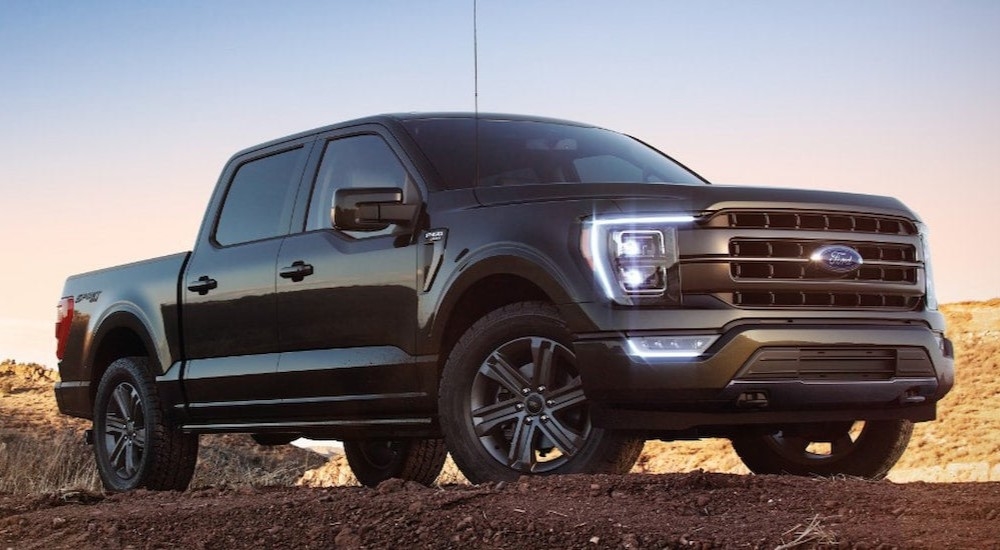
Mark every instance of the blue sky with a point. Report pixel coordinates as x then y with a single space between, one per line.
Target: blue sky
116 117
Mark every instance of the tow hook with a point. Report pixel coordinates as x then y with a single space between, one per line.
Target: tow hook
911 397
752 400
88 437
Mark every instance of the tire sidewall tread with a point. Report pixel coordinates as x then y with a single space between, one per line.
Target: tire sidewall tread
419 460
169 456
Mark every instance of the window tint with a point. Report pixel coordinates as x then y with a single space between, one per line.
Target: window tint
608 169
260 199
353 162
517 152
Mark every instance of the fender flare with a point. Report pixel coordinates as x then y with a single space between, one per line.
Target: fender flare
128 316
503 259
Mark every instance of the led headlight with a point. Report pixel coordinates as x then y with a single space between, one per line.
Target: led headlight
639 260
632 257
930 294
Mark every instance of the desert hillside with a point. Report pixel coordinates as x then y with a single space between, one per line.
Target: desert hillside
962 445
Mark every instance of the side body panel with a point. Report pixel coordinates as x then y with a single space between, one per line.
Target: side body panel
229 308
138 298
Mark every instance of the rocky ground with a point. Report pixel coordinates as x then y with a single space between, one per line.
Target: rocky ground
928 504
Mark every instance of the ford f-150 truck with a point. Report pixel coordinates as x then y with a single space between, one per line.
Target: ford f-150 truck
534 296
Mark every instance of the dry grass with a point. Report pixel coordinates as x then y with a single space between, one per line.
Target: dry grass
236 461
813 535
30 465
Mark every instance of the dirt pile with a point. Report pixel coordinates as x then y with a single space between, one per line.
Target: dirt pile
693 510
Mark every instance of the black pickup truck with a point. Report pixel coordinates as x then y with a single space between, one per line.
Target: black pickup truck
531 295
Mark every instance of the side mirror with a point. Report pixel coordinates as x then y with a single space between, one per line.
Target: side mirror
370 208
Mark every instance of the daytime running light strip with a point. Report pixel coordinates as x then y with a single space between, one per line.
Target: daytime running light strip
666 354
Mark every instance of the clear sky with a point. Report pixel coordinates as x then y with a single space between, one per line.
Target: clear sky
116 117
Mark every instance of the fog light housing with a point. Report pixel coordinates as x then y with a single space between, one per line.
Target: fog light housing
664 347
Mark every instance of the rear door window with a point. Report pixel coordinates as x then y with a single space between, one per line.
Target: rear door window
260 199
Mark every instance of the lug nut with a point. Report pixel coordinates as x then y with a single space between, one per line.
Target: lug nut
519 406
526 391
527 420
545 418
541 389
550 403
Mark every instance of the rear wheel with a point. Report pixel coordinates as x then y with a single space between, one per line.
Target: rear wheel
134 444
376 460
864 449
512 402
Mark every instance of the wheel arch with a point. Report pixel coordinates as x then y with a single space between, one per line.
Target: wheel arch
491 283
119 334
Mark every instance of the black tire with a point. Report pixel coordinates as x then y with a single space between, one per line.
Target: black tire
511 402
134 444
376 460
273 439
861 449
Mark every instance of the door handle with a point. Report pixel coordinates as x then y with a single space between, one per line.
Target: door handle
297 271
203 285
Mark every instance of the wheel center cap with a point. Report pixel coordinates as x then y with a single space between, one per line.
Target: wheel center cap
534 403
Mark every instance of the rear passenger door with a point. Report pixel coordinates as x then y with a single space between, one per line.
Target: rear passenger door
228 313
348 328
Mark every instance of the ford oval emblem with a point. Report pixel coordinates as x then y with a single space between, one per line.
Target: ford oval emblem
837 258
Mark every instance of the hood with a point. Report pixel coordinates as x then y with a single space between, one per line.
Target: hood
641 198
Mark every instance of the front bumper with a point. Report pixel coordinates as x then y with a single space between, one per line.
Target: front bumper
770 373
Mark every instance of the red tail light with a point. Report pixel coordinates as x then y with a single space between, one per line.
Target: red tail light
64 320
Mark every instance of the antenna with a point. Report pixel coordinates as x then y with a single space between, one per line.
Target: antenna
475 85
475 55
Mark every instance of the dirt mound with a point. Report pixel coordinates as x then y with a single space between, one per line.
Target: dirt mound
693 510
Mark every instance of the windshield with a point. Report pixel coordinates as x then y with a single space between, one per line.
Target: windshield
527 152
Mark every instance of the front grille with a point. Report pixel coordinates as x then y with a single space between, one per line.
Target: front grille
788 248
840 300
790 259
815 221
757 258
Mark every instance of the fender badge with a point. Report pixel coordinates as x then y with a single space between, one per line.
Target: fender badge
837 258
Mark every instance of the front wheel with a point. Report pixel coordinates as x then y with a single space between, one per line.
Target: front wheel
134 444
376 460
863 449
512 402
